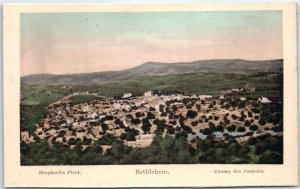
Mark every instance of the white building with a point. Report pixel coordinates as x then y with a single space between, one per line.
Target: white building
126 107
86 109
127 95
148 94
69 121
235 90
264 100
92 115
203 97
242 98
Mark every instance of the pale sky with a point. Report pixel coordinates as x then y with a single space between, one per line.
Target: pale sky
62 43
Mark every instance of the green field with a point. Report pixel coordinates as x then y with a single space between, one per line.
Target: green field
82 98
197 83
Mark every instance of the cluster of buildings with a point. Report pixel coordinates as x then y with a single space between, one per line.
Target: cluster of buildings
237 91
91 122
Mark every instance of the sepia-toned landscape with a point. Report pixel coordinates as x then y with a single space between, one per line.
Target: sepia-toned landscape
212 110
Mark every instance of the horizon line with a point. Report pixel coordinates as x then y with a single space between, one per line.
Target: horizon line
190 62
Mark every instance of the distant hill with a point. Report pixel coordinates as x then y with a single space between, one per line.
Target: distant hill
236 66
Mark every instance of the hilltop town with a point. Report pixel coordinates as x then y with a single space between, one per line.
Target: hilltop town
135 120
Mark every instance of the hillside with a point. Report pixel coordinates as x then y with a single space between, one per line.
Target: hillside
235 66
196 83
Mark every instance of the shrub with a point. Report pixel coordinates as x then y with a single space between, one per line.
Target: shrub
248 134
194 123
151 109
191 114
250 114
135 121
262 121
241 129
211 124
87 141
242 118
227 106
227 121
104 127
234 116
181 134
187 129
138 114
109 117
189 107
161 124
207 131
163 114
174 108
118 121
170 130
231 128
134 107
220 128
253 127
247 123
72 141
256 117
150 115
129 116
146 125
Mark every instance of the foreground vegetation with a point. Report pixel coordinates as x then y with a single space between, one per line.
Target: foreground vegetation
264 149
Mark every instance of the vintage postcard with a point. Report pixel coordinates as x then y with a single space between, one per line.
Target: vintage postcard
170 95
